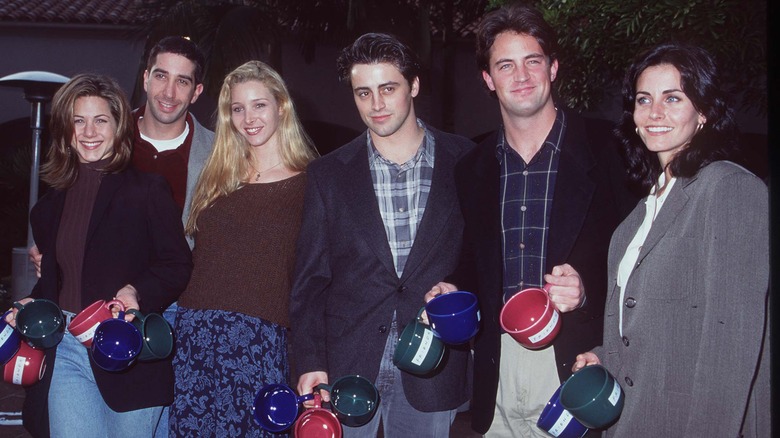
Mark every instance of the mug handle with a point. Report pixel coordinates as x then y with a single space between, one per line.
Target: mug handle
305 397
317 401
18 305
419 314
322 386
115 303
135 312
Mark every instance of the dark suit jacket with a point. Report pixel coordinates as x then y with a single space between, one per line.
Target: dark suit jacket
135 236
346 289
590 200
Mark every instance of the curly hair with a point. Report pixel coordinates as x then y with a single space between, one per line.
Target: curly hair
701 83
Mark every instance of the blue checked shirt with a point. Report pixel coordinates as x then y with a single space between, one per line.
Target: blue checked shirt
402 193
526 200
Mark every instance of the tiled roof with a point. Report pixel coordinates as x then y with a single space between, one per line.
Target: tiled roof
117 12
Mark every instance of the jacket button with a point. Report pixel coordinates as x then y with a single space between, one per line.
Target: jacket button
383 329
629 382
630 302
625 341
401 289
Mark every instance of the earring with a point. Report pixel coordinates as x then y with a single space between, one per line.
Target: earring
636 130
699 127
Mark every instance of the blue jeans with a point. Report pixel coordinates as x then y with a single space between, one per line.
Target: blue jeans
162 427
76 408
399 418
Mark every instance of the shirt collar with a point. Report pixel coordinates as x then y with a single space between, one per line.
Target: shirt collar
425 151
553 139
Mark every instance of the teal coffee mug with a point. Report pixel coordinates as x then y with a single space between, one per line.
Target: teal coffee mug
418 351
157 335
593 396
354 399
41 323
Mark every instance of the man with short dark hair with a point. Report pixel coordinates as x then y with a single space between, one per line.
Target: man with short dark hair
381 225
540 199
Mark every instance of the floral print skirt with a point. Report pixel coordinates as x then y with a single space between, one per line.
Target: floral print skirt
222 360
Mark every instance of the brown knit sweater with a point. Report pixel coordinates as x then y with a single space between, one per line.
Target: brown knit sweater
244 252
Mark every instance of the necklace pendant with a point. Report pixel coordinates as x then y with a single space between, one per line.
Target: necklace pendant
257 178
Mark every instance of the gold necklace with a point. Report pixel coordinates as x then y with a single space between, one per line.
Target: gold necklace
259 172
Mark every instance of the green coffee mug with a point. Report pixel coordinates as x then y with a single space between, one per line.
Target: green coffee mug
354 399
593 396
157 335
41 323
418 351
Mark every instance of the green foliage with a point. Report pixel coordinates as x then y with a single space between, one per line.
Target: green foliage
599 39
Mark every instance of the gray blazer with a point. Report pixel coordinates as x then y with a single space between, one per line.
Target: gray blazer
694 354
202 143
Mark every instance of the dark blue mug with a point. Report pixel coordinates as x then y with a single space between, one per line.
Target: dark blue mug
10 340
454 316
277 406
558 422
116 344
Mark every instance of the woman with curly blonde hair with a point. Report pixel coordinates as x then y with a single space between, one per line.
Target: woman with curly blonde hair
232 322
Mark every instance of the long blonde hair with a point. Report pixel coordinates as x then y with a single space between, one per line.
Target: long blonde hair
228 164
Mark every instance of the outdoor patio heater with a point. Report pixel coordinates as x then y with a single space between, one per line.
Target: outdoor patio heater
38 87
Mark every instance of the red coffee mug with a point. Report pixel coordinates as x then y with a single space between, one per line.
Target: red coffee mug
83 325
317 422
531 318
26 367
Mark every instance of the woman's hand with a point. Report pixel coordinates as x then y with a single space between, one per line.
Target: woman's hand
129 298
11 317
585 359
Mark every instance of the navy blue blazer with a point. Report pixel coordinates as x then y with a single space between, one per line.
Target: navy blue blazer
590 200
135 236
346 290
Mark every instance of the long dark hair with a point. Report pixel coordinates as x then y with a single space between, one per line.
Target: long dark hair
700 81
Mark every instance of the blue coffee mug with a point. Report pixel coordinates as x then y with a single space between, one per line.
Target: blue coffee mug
559 422
10 340
116 344
277 406
454 316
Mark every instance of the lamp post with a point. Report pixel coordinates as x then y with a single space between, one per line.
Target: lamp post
38 87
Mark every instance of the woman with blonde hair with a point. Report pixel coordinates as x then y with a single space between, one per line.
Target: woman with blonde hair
232 322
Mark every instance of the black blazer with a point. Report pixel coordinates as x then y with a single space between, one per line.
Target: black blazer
135 236
590 200
346 289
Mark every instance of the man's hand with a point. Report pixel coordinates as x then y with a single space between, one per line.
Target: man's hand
565 288
308 381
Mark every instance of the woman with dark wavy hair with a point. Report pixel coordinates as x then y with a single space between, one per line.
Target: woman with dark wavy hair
685 325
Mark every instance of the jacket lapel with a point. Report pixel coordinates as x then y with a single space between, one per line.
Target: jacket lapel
356 183
668 214
573 193
441 202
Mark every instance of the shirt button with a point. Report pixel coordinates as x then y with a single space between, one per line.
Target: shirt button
401 209
523 208
625 341
401 289
630 302
522 245
629 382
155 157
525 173
383 329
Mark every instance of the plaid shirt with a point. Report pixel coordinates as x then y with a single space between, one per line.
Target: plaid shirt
526 201
402 193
